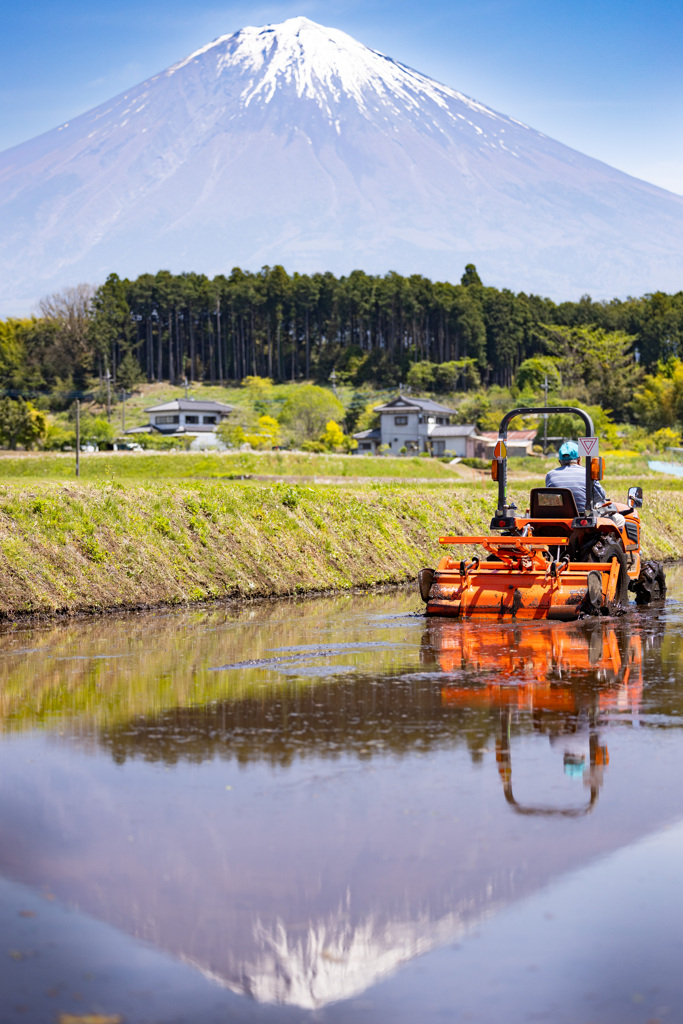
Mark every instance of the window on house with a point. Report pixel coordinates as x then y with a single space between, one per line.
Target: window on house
209 419
166 419
192 419
401 421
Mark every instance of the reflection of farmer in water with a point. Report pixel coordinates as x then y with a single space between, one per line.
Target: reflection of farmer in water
571 475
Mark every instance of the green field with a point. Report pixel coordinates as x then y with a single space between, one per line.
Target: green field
140 466
623 469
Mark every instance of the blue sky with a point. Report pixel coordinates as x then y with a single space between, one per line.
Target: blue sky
604 77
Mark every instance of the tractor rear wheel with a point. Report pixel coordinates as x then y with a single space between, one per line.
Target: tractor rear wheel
606 551
651 584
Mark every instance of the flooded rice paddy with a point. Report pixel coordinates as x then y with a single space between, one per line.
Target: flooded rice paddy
336 811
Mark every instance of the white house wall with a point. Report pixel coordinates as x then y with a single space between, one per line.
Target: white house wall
403 435
455 446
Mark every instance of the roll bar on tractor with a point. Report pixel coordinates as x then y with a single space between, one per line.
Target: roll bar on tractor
503 519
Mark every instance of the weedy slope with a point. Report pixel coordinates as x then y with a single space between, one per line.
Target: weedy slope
69 548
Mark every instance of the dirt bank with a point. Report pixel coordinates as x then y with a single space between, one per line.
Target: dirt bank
92 547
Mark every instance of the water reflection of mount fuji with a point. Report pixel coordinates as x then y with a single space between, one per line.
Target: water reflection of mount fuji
367 818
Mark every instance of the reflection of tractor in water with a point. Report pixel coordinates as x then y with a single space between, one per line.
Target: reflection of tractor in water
565 680
557 561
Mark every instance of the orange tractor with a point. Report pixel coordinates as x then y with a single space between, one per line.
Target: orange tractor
556 561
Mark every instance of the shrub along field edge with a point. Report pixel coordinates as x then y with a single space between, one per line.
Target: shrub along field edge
89 547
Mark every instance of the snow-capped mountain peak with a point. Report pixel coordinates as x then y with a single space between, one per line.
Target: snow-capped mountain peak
321 64
296 144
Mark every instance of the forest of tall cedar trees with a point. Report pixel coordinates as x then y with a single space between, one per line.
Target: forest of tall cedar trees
369 329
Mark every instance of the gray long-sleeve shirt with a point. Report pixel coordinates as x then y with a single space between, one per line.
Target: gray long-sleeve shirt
573 476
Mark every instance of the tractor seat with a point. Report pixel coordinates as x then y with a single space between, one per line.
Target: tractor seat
552 503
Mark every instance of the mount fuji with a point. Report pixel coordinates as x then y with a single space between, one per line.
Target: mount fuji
296 144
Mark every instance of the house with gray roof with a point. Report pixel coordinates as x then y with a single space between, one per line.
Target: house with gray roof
368 441
186 417
416 424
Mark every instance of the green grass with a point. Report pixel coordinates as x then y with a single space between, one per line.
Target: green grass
139 466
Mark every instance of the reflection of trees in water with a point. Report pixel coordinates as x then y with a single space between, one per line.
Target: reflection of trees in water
559 680
146 681
362 717
109 669
389 915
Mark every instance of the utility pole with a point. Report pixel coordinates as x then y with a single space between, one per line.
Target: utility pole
545 418
78 438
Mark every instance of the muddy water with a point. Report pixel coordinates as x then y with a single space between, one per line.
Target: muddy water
335 811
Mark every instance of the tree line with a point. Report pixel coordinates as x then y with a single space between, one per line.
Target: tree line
368 329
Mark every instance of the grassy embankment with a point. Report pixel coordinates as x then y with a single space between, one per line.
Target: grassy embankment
92 546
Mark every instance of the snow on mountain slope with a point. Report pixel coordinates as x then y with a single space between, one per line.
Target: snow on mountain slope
296 144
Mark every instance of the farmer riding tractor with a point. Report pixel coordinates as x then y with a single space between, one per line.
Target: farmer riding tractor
572 553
